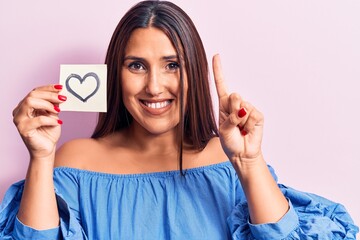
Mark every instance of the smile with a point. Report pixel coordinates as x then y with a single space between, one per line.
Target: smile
156 105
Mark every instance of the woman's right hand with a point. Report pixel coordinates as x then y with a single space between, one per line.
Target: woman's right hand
36 118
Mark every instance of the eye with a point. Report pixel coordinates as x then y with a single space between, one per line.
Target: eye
136 66
173 66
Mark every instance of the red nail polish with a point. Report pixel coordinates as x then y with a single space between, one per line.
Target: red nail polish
62 97
58 86
60 122
57 108
242 112
244 133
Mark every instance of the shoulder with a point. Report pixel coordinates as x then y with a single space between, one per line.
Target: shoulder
211 154
215 151
77 153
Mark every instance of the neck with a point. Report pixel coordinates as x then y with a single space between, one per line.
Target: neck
164 144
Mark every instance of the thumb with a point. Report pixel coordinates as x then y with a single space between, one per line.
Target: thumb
231 122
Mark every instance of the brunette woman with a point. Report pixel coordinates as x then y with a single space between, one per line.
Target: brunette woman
157 166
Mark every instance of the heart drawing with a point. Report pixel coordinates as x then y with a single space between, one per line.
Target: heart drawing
81 80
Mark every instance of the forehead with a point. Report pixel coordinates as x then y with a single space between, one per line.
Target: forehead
149 42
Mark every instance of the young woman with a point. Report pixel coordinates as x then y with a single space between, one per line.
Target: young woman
157 167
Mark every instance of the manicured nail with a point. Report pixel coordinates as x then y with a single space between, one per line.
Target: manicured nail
244 133
58 86
57 108
242 112
62 97
60 122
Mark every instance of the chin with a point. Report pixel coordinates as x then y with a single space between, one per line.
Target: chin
160 129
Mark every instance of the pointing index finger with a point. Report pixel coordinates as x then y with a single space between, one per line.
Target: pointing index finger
218 77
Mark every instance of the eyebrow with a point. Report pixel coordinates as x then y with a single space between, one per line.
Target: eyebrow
134 58
170 57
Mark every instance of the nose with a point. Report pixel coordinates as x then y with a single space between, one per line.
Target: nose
154 84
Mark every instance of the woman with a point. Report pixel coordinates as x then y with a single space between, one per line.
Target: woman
124 182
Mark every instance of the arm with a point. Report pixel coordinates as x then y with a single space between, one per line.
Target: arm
36 118
38 208
266 202
241 127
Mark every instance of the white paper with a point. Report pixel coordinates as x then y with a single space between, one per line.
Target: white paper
84 86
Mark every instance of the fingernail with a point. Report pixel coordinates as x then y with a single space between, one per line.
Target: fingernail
244 133
57 108
60 122
58 86
242 112
241 128
62 97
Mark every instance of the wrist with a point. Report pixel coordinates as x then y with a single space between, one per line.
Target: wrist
248 164
45 158
44 164
41 150
251 170
40 172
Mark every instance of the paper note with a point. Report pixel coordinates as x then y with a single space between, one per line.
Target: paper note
84 86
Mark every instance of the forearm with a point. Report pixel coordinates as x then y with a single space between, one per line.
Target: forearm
38 208
265 200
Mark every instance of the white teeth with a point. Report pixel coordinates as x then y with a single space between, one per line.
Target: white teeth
157 104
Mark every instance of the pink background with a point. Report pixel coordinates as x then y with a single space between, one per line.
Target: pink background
297 61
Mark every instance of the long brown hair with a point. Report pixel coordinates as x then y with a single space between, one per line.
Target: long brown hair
197 124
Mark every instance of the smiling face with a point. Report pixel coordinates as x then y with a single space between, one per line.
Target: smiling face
150 79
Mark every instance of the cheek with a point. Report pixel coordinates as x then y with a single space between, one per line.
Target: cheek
175 86
130 86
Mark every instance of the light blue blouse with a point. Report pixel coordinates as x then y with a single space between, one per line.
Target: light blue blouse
207 203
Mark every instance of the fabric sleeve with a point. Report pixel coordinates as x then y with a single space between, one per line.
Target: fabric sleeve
309 217
12 228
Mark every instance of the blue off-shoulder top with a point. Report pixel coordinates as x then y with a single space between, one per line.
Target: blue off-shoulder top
207 203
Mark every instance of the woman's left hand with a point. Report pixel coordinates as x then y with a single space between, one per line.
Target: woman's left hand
240 123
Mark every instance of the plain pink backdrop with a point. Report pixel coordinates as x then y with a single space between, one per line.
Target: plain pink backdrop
296 61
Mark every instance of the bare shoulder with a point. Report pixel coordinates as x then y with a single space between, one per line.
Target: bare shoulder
77 153
211 154
214 151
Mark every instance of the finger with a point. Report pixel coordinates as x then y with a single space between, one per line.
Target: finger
244 113
252 119
50 96
218 77
34 123
30 104
239 108
16 110
255 119
234 102
51 88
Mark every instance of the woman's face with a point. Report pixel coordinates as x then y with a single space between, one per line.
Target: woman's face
150 79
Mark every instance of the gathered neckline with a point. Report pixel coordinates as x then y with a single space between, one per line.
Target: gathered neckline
148 174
